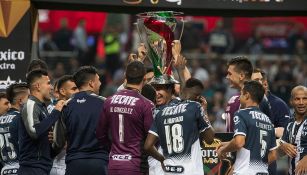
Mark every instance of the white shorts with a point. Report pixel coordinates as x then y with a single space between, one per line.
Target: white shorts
10 169
155 166
57 171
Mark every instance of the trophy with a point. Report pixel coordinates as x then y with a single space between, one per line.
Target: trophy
158 30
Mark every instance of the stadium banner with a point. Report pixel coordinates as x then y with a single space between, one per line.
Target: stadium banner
189 7
212 164
16 40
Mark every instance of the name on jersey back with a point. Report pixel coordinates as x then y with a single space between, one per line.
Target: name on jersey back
262 117
123 100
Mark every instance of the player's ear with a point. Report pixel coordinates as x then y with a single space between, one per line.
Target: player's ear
91 84
241 76
61 91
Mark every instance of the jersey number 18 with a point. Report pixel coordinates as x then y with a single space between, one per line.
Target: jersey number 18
174 139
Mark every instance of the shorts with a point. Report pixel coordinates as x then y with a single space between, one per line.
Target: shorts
124 172
24 170
155 167
57 170
87 166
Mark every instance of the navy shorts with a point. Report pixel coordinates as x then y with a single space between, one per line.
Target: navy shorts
31 171
87 166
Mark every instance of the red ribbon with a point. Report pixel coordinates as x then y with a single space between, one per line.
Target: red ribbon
166 32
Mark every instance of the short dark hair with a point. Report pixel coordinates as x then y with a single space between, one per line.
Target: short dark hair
83 75
37 64
263 74
193 82
34 75
62 80
135 72
14 90
149 92
2 95
242 64
193 89
255 89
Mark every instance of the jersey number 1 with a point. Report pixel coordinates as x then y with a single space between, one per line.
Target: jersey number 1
121 128
174 139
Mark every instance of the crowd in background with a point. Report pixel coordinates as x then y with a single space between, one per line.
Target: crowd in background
207 55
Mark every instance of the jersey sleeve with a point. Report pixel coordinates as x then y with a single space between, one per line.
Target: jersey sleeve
202 122
265 107
33 125
272 144
240 124
282 116
148 116
153 129
102 127
285 135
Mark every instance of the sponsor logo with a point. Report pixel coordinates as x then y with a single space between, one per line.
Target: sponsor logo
236 120
12 55
5 83
125 157
81 101
174 169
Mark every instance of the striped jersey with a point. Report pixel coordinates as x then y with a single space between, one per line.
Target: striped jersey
296 134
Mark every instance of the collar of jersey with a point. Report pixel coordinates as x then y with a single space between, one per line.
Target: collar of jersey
36 100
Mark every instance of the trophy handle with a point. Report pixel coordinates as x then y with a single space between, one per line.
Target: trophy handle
139 32
181 29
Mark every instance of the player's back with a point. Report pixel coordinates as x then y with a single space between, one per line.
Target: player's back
178 126
80 117
9 137
259 140
129 116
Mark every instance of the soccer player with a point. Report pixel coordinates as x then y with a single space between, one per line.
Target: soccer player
240 69
178 127
128 116
280 111
294 139
17 95
4 103
65 88
254 137
78 126
34 147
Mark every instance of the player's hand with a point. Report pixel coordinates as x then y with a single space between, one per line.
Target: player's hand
59 105
142 52
132 57
203 102
289 149
301 167
219 150
176 48
179 62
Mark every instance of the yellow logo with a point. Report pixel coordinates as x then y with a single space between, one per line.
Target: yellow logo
11 12
216 143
